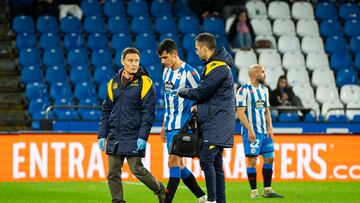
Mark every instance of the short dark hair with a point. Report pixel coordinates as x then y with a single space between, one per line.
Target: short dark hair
206 39
129 50
167 45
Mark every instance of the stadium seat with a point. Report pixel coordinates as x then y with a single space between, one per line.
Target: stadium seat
221 41
243 76
181 9
272 76
297 76
214 25
288 43
165 25
355 45
62 102
118 24
145 41
289 117
321 77
102 91
118 59
188 24
93 115
103 74
311 44
22 24
266 37
335 44
91 8
340 61
304 91
284 27
357 61
140 25
37 117
173 36
79 74
68 115
188 42
37 105
101 57
161 8
137 8
302 10
36 90
353 111
70 24
31 74
47 24
25 41
120 41
307 27
60 90
330 28
349 11
327 93
279 10
53 57
78 57
256 9
261 26
356 118
325 10
55 74
317 60
50 41
149 58
87 102
193 59
84 90
309 118
270 59
346 77
228 23
29 57
328 105
114 8
352 27
73 41
94 24
97 41
293 59
340 118
312 104
350 93
244 59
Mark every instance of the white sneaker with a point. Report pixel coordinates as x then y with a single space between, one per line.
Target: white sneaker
202 199
210 202
254 194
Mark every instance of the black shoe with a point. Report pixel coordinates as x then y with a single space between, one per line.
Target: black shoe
272 194
161 194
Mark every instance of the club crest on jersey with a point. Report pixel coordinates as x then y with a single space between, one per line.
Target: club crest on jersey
259 104
115 85
168 86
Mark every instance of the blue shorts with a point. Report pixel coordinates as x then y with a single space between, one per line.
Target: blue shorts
169 137
263 144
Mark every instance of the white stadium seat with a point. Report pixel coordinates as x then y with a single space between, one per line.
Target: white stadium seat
302 10
304 92
297 76
322 77
311 44
293 59
317 60
350 93
327 93
256 9
270 59
243 76
279 10
244 59
272 76
351 113
306 27
288 43
228 23
311 104
261 26
325 108
284 27
266 37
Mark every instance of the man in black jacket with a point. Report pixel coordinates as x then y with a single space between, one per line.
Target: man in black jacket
216 109
127 116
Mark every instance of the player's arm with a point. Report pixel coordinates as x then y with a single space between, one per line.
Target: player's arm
162 132
244 121
268 117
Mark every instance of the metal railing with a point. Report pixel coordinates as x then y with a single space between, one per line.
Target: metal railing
51 107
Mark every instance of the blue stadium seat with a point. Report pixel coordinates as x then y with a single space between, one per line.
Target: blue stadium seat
85 112
36 90
84 90
97 41
325 10
94 115
79 74
352 27
25 41
92 101
103 74
346 77
221 41
23 24
159 94
193 59
118 59
335 44
155 71
62 102
38 105
70 24
137 8
55 74
148 58
355 45
50 41
182 9
101 57
309 118
47 24
73 41
68 115
78 57
145 41
53 57
114 8
37 117
120 41
60 90
141 24
159 115
356 119
161 8
173 36
214 25
94 24
118 24
188 24
91 7
340 61
165 25
330 28
357 61
102 91
29 57
289 117
188 42
341 118
349 11
31 74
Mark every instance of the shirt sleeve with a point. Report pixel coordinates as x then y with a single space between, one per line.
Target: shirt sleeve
241 96
193 78
267 104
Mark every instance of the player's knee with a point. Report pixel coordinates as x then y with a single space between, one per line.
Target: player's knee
269 160
252 162
174 161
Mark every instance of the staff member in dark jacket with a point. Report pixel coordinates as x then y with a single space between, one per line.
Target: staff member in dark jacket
127 116
216 110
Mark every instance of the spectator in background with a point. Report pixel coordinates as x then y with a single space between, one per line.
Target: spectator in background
207 8
70 7
241 32
283 95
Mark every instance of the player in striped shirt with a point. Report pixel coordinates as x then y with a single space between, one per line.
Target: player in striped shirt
177 74
252 101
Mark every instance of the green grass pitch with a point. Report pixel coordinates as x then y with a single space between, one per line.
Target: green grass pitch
137 193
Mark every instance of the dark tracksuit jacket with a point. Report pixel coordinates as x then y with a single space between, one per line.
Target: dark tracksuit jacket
127 113
215 100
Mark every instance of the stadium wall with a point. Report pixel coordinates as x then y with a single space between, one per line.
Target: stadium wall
76 157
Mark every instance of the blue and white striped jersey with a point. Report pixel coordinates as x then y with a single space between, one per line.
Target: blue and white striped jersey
256 100
177 109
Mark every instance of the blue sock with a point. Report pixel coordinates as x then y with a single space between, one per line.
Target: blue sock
267 174
175 172
268 166
185 172
251 173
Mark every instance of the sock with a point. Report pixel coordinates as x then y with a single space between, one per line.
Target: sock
190 182
172 184
267 174
251 173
